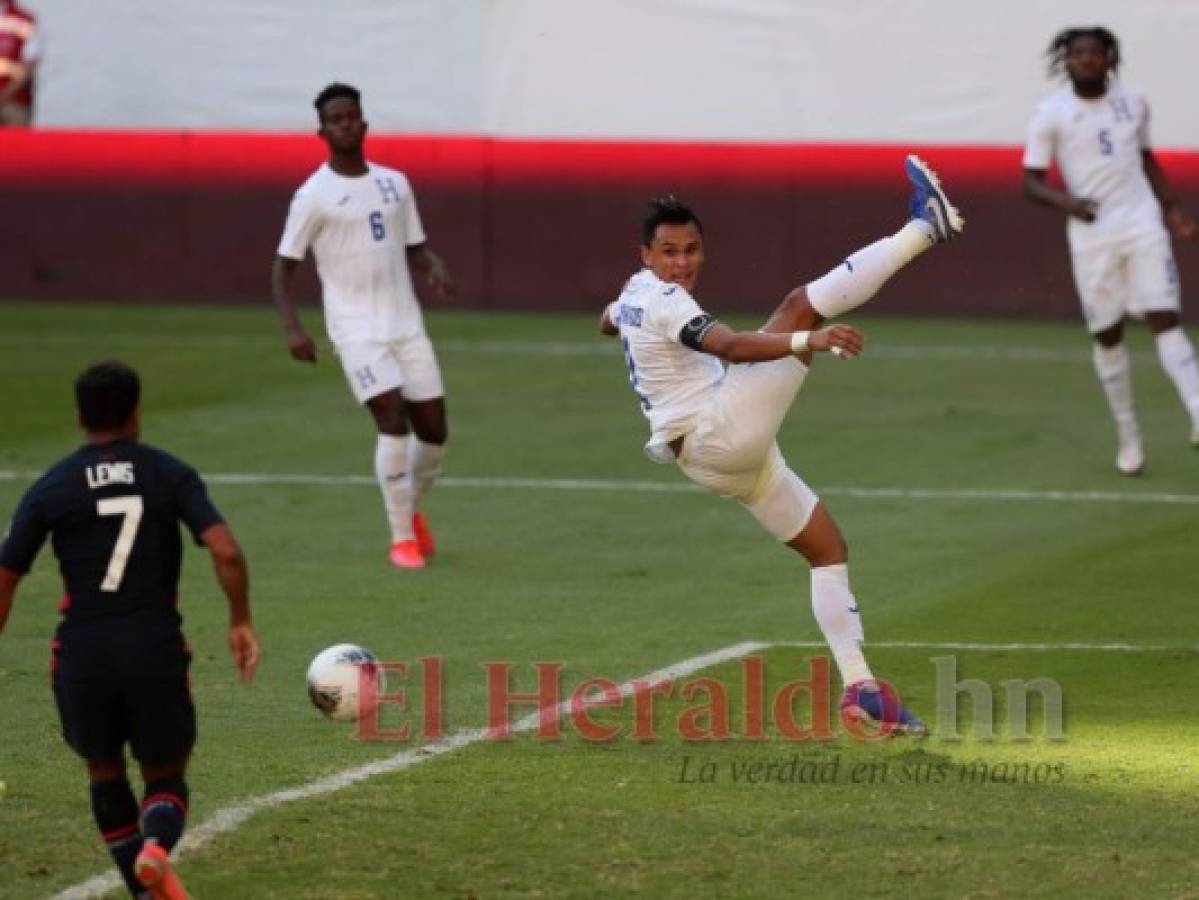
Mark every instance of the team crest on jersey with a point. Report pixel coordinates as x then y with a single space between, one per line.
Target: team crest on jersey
1122 110
388 189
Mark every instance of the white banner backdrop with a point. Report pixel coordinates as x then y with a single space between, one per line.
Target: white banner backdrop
929 71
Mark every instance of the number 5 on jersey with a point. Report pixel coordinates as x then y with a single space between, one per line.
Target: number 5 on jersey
130 509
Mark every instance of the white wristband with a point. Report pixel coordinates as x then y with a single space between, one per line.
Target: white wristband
799 341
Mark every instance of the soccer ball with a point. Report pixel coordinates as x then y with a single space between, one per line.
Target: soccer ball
336 678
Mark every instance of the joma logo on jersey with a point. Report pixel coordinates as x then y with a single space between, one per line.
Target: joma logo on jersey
109 473
630 315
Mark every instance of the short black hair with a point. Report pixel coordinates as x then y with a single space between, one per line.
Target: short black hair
1060 46
335 91
666 210
106 395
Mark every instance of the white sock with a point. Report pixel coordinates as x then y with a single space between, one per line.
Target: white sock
426 466
1177 357
1114 368
859 278
391 470
836 613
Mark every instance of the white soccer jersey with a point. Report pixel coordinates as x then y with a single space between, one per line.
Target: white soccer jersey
359 230
1098 144
672 381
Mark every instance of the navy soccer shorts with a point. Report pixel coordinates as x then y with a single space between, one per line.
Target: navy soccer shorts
155 716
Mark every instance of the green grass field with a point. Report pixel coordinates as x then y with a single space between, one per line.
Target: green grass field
970 465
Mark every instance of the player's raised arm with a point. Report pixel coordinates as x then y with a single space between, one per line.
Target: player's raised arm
283 276
229 563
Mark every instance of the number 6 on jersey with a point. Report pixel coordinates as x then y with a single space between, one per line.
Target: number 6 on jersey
378 231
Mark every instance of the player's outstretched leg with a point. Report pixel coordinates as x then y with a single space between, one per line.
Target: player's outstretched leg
934 220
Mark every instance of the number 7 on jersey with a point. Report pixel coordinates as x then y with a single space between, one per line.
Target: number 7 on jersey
130 508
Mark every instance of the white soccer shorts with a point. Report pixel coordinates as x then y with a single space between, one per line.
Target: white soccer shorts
378 367
732 449
1130 278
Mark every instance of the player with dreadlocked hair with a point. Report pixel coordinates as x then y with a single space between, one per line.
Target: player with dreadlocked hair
1059 47
1115 199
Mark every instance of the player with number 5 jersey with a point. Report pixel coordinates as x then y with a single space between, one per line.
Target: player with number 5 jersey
112 510
360 221
1119 204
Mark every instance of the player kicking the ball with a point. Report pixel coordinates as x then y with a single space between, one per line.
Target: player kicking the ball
719 425
361 222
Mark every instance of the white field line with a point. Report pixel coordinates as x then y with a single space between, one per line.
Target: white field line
594 347
231 817
1098 647
683 487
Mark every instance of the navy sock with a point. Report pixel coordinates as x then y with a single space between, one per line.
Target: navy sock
115 810
164 811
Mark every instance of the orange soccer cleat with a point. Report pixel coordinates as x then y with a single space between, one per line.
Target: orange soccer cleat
424 537
406 555
153 869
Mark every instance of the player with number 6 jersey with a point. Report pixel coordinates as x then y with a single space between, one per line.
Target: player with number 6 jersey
360 221
112 510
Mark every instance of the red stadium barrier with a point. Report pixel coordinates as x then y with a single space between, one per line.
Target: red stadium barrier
526 224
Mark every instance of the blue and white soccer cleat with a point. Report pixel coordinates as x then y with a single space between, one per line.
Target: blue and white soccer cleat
865 702
929 201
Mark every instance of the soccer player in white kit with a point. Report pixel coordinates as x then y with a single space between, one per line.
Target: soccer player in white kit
1098 131
719 424
361 223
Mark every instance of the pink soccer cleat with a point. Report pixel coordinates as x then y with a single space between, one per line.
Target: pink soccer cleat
424 537
153 870
406 555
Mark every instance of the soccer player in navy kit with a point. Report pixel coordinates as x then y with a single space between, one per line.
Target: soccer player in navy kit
119 666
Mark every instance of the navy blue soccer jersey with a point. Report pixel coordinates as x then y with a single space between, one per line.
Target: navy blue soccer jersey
112 512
